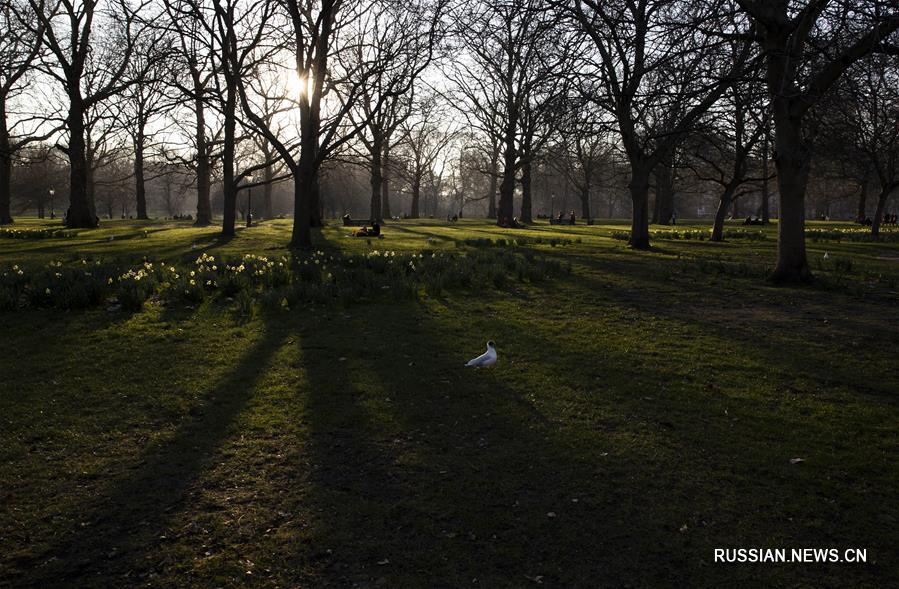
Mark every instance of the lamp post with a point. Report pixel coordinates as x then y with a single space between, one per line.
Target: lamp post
552 205
51 192
249 180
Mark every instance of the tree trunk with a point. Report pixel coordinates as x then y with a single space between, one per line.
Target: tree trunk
81 213
664 192
585 201
792 164
491 198
305 182
862 202
505 213
139 182
416 197
204 171
766 197
385 183
91 175
639 188
5 168
375 180
526 196
305 174
721 212
881 205
229 187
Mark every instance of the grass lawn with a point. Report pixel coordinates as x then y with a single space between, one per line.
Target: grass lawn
644 411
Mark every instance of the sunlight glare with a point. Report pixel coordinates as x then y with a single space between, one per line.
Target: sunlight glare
299 85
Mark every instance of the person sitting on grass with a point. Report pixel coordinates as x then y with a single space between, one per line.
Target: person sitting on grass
375 231
513 224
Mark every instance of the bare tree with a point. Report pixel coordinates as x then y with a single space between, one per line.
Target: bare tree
807 47
142 103
106 148
722 151
583 150
465 179
74 54
864 115
544 111
387 101
20 45
377 138
420 145
195 60
173 188
325 52
505 81
657 67
268 89
40 168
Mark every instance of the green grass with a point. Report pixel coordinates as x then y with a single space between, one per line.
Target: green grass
651 402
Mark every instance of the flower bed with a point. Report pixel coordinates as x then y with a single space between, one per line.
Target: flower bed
695 234
852 234
37 233
515 241
280 282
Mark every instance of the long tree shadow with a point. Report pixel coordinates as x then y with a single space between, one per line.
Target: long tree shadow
116 529
780 316
443 476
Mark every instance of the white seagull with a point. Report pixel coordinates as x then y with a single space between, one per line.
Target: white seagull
488 358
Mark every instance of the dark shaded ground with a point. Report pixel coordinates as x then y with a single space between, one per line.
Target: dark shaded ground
641 415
